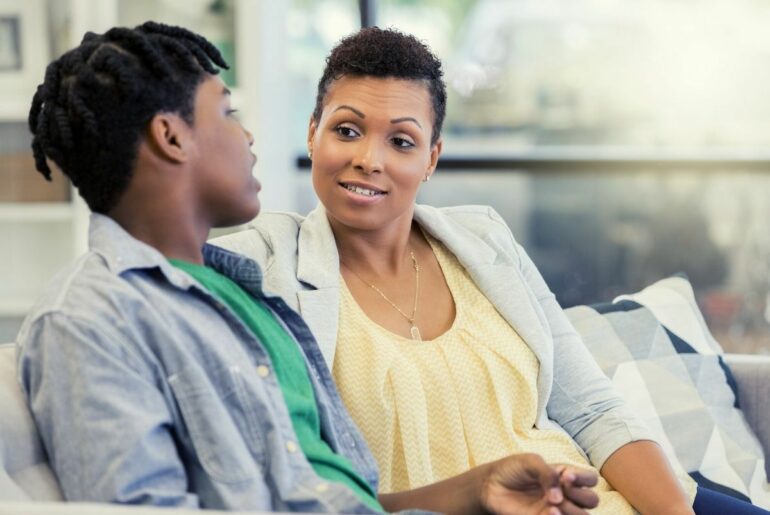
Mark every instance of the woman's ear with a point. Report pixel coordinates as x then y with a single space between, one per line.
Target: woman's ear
435 153
168 135
311 128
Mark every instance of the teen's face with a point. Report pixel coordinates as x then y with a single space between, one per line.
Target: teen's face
226 187
371 150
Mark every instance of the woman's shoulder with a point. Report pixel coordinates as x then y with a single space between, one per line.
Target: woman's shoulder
278 223
470 227
268 233
471 213
478 219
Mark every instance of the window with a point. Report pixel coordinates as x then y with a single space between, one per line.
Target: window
653 76
622 141
313 28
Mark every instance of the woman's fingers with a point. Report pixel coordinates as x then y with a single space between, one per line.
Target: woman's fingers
576 485
578 477
581 496
569 508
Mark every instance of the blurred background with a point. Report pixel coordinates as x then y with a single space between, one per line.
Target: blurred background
622 140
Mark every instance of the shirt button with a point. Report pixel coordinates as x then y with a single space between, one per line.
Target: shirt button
263 371
291 446
321 487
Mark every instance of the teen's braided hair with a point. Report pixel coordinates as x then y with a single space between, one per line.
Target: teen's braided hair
89 114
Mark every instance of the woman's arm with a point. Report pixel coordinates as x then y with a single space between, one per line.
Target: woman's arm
521 484
641 473
586 404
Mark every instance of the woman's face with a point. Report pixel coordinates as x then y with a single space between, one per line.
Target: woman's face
371 150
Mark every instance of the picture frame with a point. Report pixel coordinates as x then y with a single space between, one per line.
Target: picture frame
10 46
24 51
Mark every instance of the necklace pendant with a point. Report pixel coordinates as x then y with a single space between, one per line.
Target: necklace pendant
415 333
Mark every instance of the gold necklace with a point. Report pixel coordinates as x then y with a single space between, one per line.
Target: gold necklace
413 330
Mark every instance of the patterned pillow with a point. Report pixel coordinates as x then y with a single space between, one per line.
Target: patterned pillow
655 347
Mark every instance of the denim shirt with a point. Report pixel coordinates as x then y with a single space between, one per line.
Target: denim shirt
147 389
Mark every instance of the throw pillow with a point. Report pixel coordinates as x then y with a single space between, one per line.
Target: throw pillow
656 348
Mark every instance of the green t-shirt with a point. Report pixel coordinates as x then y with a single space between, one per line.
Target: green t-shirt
292 375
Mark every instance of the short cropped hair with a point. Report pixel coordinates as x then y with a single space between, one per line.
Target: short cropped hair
89 114
385 53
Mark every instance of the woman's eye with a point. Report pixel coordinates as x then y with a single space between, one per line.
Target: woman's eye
402 143
346 132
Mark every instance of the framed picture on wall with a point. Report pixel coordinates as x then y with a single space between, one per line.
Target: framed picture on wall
10 47
24 52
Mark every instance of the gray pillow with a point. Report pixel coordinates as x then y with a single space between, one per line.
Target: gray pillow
655 347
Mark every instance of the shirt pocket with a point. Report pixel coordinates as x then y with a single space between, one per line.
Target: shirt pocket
217 419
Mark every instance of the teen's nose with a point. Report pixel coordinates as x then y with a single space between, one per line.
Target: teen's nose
249 136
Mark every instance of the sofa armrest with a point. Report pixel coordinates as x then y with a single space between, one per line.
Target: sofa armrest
752 375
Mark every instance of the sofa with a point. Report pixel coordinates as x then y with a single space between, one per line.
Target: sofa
28 486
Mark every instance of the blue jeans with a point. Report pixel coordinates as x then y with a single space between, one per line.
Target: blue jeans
709 502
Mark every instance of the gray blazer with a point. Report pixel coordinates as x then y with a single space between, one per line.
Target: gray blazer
301 264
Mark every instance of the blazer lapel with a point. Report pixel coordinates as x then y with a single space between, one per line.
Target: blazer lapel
320 310
318 267
498 277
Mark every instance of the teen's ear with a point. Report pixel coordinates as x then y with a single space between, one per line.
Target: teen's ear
168 135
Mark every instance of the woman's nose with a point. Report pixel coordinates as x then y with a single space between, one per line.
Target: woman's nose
368 158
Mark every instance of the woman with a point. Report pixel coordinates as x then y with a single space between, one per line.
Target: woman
447 346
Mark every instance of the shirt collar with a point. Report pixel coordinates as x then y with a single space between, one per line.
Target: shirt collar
122 252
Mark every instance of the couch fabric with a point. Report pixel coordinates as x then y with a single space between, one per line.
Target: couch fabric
657 350
752 377
25 474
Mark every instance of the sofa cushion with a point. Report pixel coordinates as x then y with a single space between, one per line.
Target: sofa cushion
24 471
752 376
656 348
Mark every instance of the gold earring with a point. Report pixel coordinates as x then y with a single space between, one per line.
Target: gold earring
427 177
310 154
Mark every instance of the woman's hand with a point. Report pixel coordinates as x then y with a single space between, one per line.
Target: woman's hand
520 484
526 484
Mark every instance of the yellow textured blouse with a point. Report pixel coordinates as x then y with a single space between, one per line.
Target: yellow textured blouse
433 409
